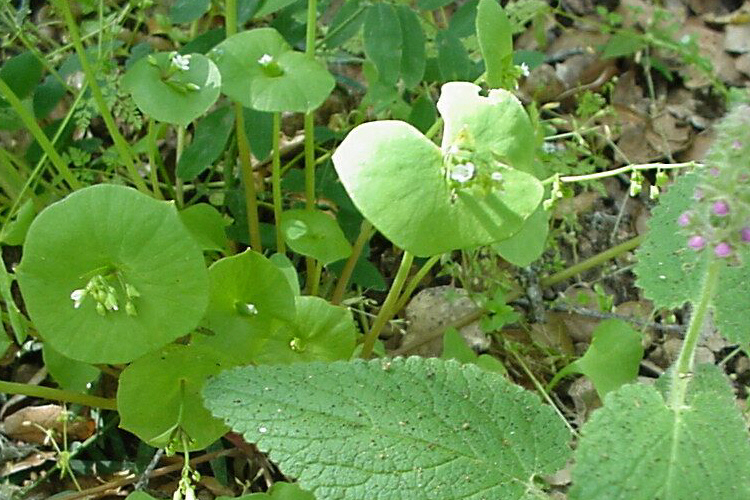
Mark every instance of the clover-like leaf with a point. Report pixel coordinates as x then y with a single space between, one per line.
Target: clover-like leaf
158 396
638 448
428 200
400 429
109 274
261 71
173 88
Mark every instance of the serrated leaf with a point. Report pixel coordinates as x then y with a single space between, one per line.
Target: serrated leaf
383 41
671 274
638 448
495 35
161 391
401 429
211 134
413 56
125 237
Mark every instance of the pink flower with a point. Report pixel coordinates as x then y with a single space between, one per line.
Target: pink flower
696 242
720 208
714 171
684 219
736 144
723 250
745 234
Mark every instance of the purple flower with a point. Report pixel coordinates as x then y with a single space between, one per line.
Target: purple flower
745 234
736 144
684 219
714 171
696 242
720 208
698 194
723 250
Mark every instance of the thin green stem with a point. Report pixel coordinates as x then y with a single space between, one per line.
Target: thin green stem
314 280
152 151
248 179
388 309
313 274
622 170
365 233
126 155
57 395
230 17
179 195
41 138
415 280
276 181
684 365
592 262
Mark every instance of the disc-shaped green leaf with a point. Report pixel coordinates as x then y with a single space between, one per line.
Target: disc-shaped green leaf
127 239
292 81
408 429
528 244
161 391
68 373
638 448
497 123
320 332
401 182
247 293
170 94
315 234
206 225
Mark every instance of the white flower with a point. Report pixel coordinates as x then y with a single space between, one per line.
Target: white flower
497 176
549 147
181 62
525 69
249 309
265 59
462 172
77 297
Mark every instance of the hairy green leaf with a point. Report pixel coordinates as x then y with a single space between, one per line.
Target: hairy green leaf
638 448
401 429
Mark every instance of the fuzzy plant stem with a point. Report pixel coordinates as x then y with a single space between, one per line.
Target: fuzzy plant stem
276 182
388 309
57 395
684 365
365 232
28 120
121 145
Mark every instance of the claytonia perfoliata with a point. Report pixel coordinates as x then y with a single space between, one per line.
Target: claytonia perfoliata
463 172
265 59
181 62
77 297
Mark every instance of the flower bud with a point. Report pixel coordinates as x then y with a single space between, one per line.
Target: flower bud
723 250
684 219
745 234
696 242
720 208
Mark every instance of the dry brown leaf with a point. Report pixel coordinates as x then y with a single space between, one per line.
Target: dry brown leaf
24 424
33 460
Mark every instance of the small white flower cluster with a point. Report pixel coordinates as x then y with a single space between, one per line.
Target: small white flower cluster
462 172
181 62
246 308
105 296
265 59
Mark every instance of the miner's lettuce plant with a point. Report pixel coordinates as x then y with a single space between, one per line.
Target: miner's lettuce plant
205 339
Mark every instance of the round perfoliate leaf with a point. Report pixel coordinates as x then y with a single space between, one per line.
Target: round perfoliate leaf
158 396
109 274
320 332
429 200
261 71
173 88
315 234
70 374
247 292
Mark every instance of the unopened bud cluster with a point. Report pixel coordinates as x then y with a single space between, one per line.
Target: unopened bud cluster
105 296
720 218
